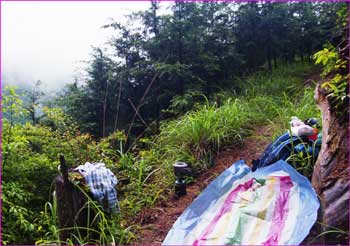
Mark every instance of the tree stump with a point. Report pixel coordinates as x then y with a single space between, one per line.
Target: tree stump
71 208
331 171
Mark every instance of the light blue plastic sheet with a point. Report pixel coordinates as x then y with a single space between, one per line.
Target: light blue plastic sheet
308 202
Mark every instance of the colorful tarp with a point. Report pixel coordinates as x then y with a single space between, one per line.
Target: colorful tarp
273 206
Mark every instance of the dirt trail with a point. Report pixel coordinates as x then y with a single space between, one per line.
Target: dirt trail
157 221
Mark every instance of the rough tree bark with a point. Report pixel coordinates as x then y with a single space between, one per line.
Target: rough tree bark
331 171
70 207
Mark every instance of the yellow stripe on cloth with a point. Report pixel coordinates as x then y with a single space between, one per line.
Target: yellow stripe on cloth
259 200
263 220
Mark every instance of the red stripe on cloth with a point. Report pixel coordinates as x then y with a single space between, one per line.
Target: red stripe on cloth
280 211
226 207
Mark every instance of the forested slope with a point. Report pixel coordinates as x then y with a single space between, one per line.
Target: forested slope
178 87
159 64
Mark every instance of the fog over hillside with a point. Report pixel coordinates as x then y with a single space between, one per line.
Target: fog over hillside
49 41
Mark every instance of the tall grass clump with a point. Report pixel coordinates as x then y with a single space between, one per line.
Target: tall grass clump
198 135
284 79
277 112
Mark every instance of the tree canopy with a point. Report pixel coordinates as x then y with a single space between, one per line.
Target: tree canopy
162 63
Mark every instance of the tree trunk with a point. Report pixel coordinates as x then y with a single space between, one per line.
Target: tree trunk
331 172
301 53
70 208
309 53
269 56
157 105
207 87
275 60
180 44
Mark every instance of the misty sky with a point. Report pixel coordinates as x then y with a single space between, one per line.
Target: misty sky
48 41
